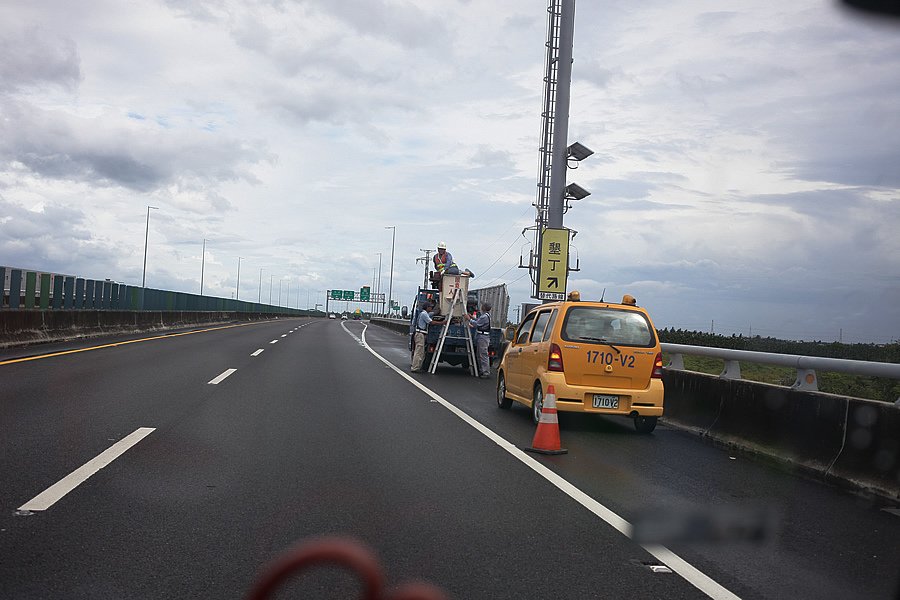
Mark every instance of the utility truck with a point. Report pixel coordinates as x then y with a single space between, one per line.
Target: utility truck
454 351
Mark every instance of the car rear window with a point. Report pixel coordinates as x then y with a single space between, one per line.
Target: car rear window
607 325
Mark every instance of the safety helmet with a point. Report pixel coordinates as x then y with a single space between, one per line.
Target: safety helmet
629 300
442 246
574 296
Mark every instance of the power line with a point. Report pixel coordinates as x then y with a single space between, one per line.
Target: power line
498 277
501 256
503 234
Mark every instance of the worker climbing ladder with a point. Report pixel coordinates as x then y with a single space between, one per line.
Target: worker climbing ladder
456 298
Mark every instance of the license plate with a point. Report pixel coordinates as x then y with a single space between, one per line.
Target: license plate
603 401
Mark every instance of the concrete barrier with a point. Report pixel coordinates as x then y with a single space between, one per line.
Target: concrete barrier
871 449
400 326
844 440
21 327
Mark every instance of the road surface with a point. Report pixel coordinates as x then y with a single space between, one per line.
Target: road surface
224 447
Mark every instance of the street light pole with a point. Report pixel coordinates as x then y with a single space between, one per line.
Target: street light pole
378 291
271 279
237 291
259 291
146 238
391 284
202 266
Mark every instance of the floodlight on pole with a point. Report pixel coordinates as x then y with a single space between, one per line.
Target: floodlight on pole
578 151
576 192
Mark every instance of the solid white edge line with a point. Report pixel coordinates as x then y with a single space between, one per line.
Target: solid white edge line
52 494
258 352
691 574
219 378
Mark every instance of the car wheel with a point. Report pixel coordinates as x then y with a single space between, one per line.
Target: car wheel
502 400
537 403
645 424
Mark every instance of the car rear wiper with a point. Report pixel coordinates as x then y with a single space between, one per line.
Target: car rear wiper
602 341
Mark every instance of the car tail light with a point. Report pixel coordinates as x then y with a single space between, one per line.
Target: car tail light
657 367
555 362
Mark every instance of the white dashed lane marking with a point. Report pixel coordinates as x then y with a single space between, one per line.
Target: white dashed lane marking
258 352
52 494
218 379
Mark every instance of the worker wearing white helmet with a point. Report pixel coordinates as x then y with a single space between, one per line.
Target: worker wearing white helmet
443 261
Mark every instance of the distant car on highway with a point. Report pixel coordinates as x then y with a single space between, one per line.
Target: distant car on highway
344 317
602 358
332 316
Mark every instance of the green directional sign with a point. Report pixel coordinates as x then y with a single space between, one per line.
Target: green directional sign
364 293
337 294
349 294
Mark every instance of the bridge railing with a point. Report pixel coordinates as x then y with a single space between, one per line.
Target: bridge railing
805 366
36 290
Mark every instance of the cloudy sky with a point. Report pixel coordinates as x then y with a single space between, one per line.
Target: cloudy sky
747 166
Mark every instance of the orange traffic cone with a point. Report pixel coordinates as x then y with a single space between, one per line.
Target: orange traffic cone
546 438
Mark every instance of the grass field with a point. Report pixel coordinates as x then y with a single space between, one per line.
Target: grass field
873 388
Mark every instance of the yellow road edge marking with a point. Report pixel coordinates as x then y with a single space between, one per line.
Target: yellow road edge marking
157 337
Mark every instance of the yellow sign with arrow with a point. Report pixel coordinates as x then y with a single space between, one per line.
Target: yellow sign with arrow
554 266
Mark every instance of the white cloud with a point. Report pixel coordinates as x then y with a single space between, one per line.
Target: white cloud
744 167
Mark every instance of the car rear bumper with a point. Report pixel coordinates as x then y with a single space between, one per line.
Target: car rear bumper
576 398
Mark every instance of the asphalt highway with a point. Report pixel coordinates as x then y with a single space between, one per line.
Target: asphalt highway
177 466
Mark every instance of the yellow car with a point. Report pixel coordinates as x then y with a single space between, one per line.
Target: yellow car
600 357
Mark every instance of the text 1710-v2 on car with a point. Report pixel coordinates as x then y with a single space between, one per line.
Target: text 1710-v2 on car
601 358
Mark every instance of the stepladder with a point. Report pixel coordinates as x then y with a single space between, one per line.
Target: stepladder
456 298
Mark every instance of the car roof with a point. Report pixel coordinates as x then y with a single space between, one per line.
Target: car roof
592 304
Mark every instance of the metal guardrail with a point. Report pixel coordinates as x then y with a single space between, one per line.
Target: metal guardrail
805 365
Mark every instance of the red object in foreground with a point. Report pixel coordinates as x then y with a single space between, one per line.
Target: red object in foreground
342 552
546 437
